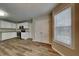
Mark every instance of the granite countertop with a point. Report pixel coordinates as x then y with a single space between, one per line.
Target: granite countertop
11 30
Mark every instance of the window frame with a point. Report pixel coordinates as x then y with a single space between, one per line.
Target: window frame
72 46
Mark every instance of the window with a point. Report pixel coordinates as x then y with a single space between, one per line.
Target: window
62 27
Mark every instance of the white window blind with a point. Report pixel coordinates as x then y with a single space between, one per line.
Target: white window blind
62 27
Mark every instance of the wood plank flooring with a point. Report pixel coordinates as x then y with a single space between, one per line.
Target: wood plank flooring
17 47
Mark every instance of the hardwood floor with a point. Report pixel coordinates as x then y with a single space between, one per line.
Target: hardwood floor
17 47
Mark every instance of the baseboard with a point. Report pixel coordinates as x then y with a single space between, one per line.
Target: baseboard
58 51
42 42
8 39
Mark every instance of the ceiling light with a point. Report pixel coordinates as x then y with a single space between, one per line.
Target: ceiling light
3 13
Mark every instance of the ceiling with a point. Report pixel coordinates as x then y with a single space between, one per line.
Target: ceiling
25 11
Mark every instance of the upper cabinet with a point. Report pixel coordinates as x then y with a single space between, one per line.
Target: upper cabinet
13 25
25 24
6 24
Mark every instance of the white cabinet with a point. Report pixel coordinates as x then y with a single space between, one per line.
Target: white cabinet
13 25
25 35
6 24
8 35
25 24
5 34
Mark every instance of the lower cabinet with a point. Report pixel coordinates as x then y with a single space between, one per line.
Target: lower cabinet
25 35
7 35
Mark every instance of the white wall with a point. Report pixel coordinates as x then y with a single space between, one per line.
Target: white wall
41 29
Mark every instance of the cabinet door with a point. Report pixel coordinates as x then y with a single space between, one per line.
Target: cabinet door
24 35
13 25
25 24
5 24
5 36
8 35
